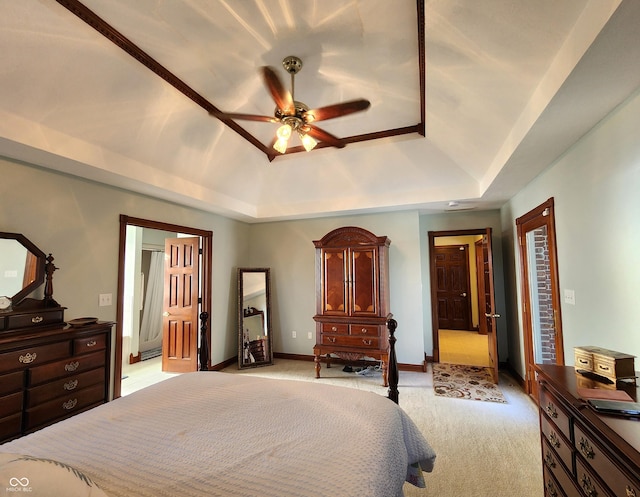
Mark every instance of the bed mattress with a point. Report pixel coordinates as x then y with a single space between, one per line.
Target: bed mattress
220 434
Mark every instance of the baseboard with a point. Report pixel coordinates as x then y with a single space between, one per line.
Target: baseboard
224 364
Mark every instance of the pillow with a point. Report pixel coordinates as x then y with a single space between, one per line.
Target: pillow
43 478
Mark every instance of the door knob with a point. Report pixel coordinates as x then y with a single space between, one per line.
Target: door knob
463 294
491 315
166 314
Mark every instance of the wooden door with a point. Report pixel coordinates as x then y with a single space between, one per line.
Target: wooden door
542 322
180 316
334 275
452 286
489 308
364 282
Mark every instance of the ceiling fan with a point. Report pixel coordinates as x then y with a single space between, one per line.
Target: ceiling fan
295 116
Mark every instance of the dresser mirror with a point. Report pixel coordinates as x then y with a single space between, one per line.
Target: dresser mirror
254 318
22 268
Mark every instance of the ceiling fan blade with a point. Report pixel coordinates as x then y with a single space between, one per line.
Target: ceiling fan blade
245 117
336 110
325 137
280 95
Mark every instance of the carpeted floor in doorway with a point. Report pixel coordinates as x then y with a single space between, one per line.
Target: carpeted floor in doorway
465 382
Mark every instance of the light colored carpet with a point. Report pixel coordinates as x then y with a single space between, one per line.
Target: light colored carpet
484 449
465 382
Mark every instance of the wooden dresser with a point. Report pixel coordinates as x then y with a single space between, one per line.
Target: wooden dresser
47 374
352 297
585 453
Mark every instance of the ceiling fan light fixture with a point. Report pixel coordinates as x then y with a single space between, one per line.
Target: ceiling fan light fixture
284 132
307 142
281 145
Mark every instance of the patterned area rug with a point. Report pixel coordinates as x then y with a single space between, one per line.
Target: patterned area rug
465 382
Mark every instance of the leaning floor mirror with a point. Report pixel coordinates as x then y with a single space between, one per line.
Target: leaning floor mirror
254 318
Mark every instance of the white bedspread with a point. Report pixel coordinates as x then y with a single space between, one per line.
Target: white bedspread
219 434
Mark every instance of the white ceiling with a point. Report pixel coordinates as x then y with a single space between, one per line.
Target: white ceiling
510 85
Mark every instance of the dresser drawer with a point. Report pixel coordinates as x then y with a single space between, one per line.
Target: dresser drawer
67 367
64 386
597 459
561 476
550 406
90 344
588 482
341 329
10 404
32 356
11 382
10 426
64 406
35 318
365 330
351 341
557 442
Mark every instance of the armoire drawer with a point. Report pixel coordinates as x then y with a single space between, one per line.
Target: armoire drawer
64 386
364 330
64 406
67 367
337 328
351 341
588 482
32 356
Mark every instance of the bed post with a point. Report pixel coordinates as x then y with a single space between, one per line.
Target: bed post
392 373
204 346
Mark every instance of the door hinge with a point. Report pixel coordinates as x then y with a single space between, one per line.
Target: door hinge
199 251
199 300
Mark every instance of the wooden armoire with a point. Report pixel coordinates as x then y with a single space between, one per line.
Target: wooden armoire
352 297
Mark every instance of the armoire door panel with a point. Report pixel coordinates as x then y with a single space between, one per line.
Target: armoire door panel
335 276
363 284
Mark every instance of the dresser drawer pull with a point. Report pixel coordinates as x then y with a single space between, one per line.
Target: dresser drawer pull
331 339
92 343
551 489
586 449
334 328
71 385
28 358
554 440
367 342
551 410
37 319
72 366
69 404
363 331
588 487
583 361
630 492
548 459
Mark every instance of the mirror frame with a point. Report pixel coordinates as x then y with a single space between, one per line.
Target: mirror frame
254 312
41 260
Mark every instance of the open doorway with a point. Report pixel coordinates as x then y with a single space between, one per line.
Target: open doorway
462 298
129 300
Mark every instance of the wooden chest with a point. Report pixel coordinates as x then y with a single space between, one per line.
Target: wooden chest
604 362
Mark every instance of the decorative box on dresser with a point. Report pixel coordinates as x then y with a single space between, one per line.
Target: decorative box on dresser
352 297
585 453
50 373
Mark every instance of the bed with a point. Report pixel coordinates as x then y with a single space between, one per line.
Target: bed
222 434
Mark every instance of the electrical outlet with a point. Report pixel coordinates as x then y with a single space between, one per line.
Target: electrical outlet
310 335
294 334
105 299
570 297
